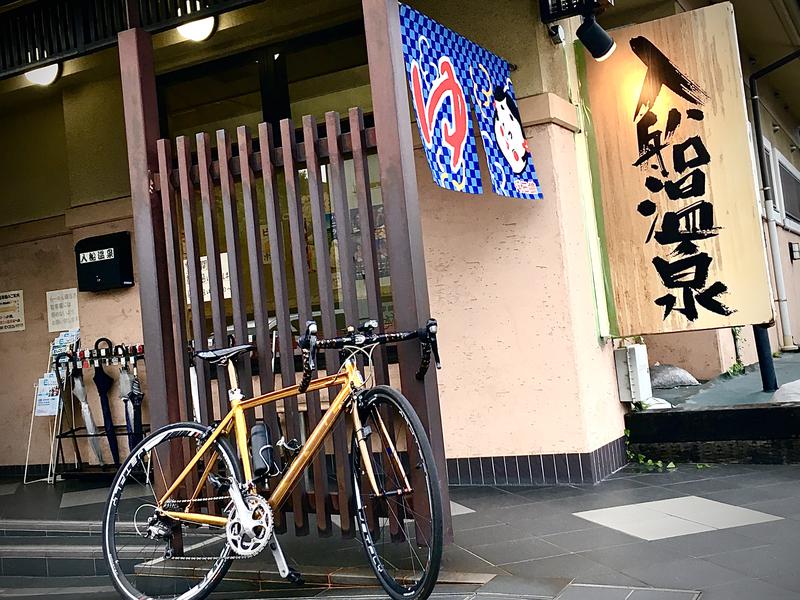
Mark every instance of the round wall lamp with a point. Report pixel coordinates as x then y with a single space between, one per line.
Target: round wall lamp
595 39
199 30
44 75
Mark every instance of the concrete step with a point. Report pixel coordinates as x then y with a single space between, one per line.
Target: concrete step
63 588
61 549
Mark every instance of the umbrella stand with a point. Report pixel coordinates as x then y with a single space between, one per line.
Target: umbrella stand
130 392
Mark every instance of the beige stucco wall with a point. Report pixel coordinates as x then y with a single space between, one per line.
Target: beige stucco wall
33 161
35 268
512 281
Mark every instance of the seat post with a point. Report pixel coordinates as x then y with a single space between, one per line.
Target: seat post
233 377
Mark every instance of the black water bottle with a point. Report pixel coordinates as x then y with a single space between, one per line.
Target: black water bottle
261 449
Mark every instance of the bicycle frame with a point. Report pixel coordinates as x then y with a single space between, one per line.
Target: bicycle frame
349 380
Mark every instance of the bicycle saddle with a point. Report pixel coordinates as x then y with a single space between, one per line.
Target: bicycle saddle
224 354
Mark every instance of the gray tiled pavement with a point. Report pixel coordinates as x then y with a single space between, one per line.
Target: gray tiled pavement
536 546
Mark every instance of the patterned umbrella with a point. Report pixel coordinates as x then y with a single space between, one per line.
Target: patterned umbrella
79 391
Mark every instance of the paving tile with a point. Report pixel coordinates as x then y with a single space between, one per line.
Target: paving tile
640 554
490 535
515 551
705 544
767 561
458 509
685 574
749 589
473 520
6 489
643 522
710 512
780 507
748 495
546 525
567 565
786 581
775 532
706 485
514 587
594 592
663 595
603 575
590 539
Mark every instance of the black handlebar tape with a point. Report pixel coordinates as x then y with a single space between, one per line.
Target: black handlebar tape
426 362
307 372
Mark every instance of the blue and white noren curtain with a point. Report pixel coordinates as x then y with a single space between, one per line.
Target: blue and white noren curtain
447 73
438 84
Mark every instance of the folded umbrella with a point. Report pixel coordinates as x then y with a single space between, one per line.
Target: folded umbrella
136 397
104 383
125 382
79 391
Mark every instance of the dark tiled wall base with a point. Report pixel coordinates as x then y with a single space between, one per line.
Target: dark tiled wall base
19 470
539 469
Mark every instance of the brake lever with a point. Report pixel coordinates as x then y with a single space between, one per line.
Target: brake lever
308 343
432 326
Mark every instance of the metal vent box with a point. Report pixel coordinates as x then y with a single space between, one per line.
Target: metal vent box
104 262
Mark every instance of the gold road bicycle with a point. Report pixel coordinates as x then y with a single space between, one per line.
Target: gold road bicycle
166 537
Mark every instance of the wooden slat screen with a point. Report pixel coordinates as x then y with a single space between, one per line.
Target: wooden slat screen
242 185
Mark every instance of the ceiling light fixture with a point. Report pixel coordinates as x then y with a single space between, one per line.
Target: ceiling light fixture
199 30
44 75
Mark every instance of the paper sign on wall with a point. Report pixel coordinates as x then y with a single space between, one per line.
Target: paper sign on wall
446 72
62 310
12 311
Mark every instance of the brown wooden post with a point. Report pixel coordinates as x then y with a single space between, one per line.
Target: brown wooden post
141 134
401 210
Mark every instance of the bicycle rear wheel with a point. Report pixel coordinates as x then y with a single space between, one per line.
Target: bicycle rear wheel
152 557
401 530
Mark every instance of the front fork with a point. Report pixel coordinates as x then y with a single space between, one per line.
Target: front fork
362 434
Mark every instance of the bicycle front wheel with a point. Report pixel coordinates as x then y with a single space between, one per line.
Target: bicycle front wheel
150 556
400 525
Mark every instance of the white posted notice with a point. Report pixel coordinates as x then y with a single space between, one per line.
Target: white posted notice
12 311
62 310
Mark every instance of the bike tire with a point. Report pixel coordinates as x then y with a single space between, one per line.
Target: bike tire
422 588
120 580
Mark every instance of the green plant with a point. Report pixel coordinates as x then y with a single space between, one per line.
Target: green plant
648 463
736 368
776 354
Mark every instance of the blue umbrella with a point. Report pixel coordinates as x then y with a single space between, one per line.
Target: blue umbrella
104 383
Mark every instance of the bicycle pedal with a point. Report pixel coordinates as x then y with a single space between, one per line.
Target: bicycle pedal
294 577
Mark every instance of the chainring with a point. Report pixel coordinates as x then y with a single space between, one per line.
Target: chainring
241 542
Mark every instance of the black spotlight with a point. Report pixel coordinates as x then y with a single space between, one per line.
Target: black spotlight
596 39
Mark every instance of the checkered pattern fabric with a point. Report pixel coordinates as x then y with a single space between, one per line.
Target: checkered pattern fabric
478 72
426 42
488 72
